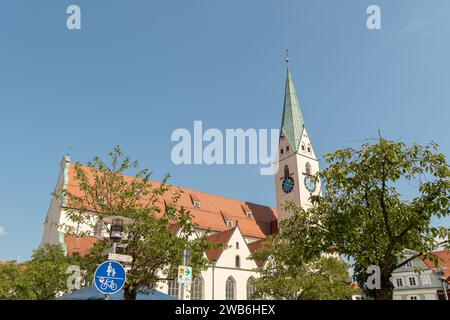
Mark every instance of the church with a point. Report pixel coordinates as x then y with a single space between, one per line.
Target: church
242 226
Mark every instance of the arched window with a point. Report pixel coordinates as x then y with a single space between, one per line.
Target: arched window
230 289
197 288
308 168
250 288
286 171
237 262
173 287
309 148
303 146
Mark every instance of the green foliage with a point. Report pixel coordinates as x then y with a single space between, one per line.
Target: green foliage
106 191
41 278
363 214
295 267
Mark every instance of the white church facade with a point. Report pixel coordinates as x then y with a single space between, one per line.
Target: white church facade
240 225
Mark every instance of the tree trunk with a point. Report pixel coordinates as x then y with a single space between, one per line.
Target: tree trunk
129 293
386 291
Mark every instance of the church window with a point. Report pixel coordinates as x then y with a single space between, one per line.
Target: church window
250 288
281 150
303 147
287 148
237 245
237 262
308 168
173 287
230 289
197 288
309 148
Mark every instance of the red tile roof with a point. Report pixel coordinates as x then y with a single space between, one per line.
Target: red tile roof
79 245
220 237
209 215
443 262
255 246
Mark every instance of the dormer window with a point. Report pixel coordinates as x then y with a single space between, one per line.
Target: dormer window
195 201
248 212
230 224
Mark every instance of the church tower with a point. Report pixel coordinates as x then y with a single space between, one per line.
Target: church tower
296 160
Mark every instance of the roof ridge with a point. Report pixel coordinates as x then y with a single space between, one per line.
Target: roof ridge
195 190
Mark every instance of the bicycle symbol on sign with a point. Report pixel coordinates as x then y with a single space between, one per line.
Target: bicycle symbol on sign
105 284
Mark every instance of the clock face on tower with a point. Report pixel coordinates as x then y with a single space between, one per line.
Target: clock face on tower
310 184
287 184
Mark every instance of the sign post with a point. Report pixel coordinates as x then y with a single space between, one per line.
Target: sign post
184 274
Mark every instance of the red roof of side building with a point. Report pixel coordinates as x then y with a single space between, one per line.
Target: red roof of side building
80 245
255 246
220 237
208 216
443 262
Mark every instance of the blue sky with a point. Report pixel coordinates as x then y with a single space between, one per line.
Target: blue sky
140 69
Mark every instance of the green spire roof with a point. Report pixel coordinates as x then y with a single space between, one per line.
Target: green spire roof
292 124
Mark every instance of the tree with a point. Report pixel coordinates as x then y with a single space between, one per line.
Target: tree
295 268
41 278
105 190
363 215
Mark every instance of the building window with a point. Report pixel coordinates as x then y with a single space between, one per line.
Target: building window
308 168
409 264
173 287
197 204
237 245
250 288
237 262
197 288
230 289
399 282
426 280
281 151
412 281
249 214
286 171
309 148
303 147
287 148
413 298
229 224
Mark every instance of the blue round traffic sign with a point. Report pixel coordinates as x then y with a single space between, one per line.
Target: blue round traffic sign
109 277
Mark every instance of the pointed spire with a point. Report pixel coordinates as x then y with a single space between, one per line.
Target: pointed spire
292 124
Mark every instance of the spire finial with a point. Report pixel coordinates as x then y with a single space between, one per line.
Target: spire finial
287 57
